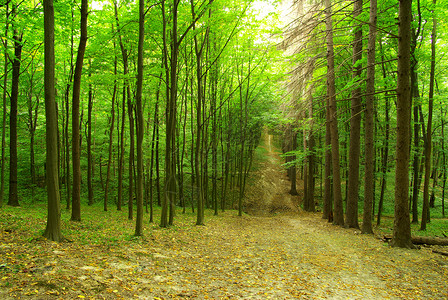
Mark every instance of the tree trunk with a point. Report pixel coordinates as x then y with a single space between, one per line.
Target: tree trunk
151 168
402 227
311 182
199 129
292 169
13 199
89 143
328 207
384 165
140 127
5 83
355 127
76 151
428 144
131 155
415 96
33 110
53 228
338 217
126 93
444 164
311 162
67 117
111 132
171 90
369 176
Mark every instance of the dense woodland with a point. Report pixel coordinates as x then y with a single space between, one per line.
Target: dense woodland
134 105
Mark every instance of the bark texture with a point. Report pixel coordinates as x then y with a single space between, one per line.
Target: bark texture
402 227
53 228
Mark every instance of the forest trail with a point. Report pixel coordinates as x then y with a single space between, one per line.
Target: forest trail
275 252
268 193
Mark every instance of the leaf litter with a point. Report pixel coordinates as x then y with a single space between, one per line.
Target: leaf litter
276 252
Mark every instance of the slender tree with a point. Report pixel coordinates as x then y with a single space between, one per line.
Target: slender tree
76 151
89 140
369 176
140 127
338 217
355 126
13 199
328 207
428 144
4 116
111 131
53 229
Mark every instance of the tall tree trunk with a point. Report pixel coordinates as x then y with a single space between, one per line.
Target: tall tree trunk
355 127
126 94
168 113
402 227
416 161
33 110
243 129
384 164
13 199
444 164
328 207
151 168
89 143
76 151
121 158
311 166
199 129
214 133
369 177
140 127
111 132
67 117
311 161
338 217
131 155
5 83
428 144
157 155
171 74
293 168
415 96
53 228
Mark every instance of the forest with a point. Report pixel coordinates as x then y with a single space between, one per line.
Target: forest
125 122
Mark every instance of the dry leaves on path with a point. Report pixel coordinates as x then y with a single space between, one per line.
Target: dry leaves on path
282 257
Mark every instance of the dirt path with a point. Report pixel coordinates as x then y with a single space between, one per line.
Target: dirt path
268 193
277 253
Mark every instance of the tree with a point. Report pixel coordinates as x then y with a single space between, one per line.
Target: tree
89 140
140 122
402 227
53 229
171 92
4 116
428 144
199 152
76 151
369 176
338 216
13 199
111 131
355 126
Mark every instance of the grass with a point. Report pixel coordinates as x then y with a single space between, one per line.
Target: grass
437 227
96 228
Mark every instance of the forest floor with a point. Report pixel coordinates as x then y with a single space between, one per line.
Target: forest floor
275 251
